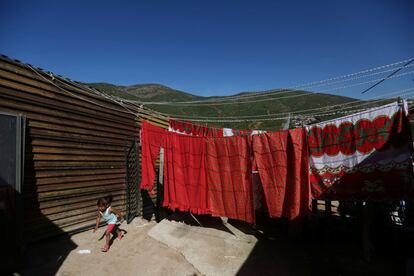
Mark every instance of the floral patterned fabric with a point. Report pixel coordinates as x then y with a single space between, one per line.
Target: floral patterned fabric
364 155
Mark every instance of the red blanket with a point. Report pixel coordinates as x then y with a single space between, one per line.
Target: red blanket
283 164
184 168
229 178
185 174
214 175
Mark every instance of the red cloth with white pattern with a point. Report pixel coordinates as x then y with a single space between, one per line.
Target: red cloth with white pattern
363 156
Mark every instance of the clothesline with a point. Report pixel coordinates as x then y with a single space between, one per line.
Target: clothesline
133 107
284 90
271 98
306 112
348 157
296 88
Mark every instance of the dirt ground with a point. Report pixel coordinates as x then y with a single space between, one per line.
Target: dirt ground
170 248
135 254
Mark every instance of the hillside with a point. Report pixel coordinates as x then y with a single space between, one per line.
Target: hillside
156 92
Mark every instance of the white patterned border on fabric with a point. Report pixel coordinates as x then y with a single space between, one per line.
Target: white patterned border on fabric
366 147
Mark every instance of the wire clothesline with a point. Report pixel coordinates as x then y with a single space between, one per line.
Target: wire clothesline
321 114
379 98
329 81
287 90
326 82
133 107
304 94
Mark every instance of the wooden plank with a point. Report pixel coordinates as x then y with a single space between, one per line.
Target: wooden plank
63 157
57 180
74 123
60 135
70 202
100 189
71 151
34 100
28 109
76 164
22 70
64 218
63 100
76 145
77 130
33 201
76 185
62 211
76 172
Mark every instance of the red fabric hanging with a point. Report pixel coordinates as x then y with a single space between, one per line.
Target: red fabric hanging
213 175
241 132
229 180
152 139
185 185
283 164
195 130
184 168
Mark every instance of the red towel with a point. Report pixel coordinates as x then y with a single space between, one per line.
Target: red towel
283 164
185 174
184 168
152 139
229 178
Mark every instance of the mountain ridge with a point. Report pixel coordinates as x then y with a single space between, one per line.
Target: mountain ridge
289 101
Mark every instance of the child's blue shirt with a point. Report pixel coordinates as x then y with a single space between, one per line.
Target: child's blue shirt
109 218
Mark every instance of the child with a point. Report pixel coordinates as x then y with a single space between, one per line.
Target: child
110 216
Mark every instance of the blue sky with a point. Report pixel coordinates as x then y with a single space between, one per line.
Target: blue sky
209 47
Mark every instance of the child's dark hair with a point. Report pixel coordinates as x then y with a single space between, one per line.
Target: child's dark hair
106 200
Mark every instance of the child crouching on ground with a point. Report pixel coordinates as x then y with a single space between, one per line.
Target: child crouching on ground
110 216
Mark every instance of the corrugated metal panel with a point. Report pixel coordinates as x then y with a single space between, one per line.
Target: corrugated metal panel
75 152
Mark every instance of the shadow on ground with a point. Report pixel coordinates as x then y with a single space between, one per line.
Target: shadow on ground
19 251
204 221
321 247
22 224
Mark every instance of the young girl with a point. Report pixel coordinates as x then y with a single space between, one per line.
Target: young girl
110 216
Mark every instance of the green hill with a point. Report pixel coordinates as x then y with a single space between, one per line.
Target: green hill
157 93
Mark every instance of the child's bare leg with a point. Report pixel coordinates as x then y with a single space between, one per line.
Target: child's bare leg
108 238
119 233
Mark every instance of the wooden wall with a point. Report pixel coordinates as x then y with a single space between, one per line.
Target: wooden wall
75 148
